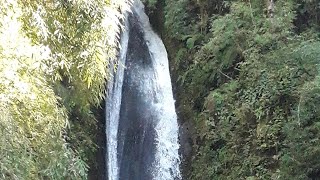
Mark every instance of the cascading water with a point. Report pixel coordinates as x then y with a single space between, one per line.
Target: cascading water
141 122
113 103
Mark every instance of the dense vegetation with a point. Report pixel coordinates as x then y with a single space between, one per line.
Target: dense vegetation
246 76
247 80
53 68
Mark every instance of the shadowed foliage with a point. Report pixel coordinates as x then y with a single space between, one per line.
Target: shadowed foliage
247 79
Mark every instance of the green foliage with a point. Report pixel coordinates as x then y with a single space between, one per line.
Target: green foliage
32 123
251 81
80 37
53 67
177 18
150 3
185 18
303 145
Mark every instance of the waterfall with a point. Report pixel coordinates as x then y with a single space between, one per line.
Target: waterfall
113 102
141 122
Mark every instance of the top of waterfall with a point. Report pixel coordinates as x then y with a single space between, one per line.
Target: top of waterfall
153 40
138 7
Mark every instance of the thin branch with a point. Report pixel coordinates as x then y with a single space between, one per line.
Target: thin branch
225 75
299 121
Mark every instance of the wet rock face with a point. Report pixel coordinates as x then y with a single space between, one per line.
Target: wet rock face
98 164
185 140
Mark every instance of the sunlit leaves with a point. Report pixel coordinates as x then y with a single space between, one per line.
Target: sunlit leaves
53 67
82 37
31 120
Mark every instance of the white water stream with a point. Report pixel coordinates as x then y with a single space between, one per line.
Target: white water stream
157 83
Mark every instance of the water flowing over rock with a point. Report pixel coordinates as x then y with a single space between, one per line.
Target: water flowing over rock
141 122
